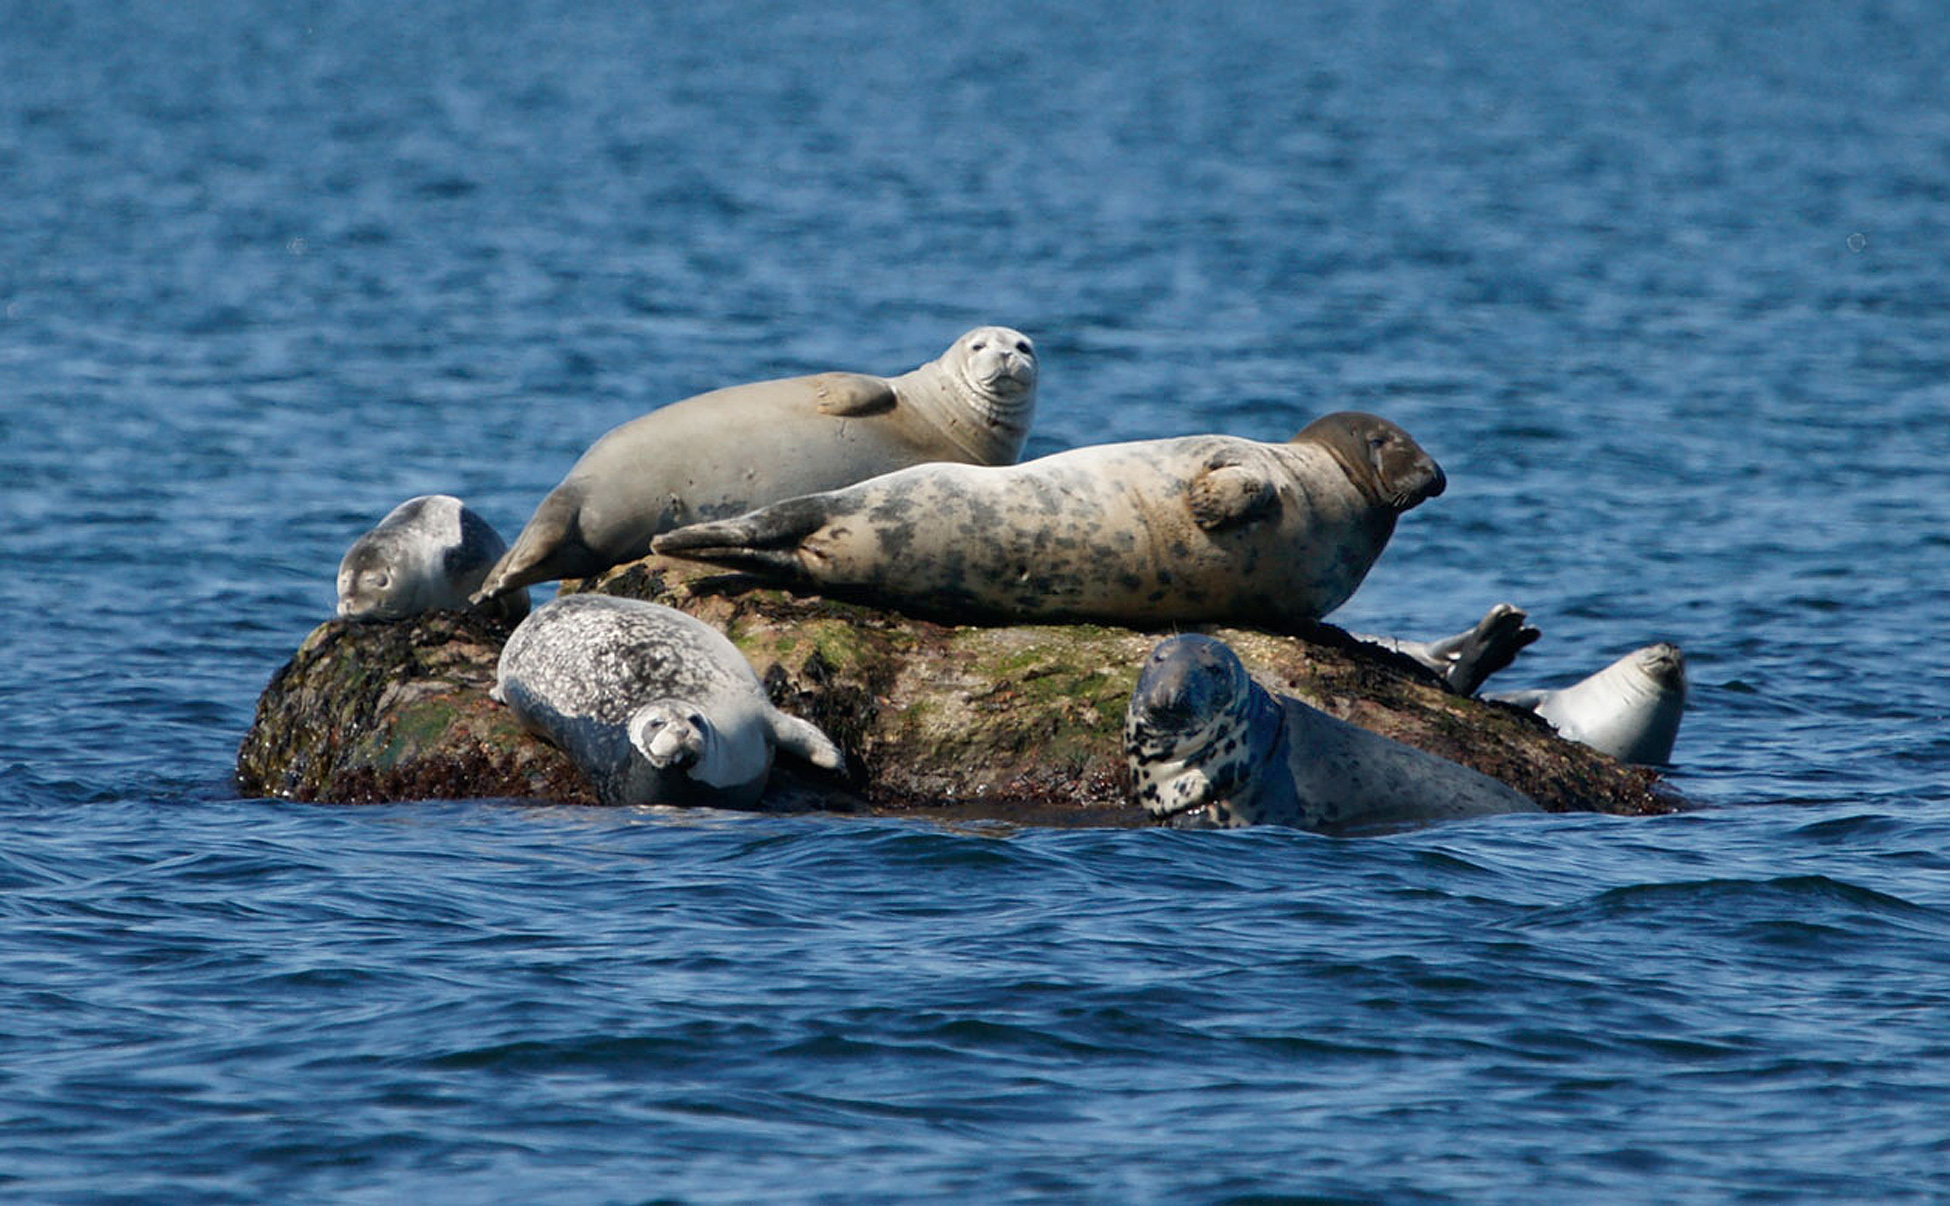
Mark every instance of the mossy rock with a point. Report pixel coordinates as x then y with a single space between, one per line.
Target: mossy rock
1016 723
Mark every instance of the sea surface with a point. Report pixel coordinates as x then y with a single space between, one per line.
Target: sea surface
1664 286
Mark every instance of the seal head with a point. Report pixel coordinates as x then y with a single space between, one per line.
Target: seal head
991 373
429 554
1197 730
1383 461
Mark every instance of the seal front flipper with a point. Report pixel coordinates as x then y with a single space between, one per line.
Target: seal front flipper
1222 495
766 541
847 395
804 739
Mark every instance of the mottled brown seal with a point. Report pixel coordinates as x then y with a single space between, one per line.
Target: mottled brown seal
727 451
1207 746
429 554
1196 529
1631 709
655 706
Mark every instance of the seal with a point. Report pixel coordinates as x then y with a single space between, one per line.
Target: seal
429 553
725 452
655 706
1203 529
1631 709
1209 747
1464 661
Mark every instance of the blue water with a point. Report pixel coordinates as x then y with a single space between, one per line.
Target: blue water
1664 289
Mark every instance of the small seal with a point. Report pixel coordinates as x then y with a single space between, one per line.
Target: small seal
655 706
1631 709
725 452
1209 747
1199 529
1465 660
429 554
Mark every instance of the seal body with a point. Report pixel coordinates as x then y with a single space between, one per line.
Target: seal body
1207 746
1631 709
724 452
429 554
1204 528
655 706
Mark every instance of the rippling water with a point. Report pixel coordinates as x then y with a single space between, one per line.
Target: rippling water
1665 290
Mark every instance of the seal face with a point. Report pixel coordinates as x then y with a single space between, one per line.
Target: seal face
724 452
655 706
1208 746
1190 736
1631 709
1198 529
429 554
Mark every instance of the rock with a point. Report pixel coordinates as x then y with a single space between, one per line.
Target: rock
1019 723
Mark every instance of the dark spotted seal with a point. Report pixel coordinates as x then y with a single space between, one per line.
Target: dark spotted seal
655 706
1208 746
1204 528
727 451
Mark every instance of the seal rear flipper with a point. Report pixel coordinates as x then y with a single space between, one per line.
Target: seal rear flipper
766 541
1467 659
805 740
550 546
846 395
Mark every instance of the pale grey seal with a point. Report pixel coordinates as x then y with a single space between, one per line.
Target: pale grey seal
1631 709
655 706
1465 660
1208 746
429 554
1206 528
727 451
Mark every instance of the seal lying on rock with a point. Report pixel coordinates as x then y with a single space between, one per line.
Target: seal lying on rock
1208 746
1465 660
655 706
429 554
724 452
1203 529
1630 709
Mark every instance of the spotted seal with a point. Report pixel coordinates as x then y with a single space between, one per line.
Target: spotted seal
1208 746
429 553
1465 660
1631 709
1207 528
655 706
727 451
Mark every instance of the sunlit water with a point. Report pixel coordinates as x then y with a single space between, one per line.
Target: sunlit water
1664 289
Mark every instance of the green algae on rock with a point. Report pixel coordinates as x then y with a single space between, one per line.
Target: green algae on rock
1019 723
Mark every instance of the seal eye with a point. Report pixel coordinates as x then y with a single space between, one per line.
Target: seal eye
1022 345
977 346
653 722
